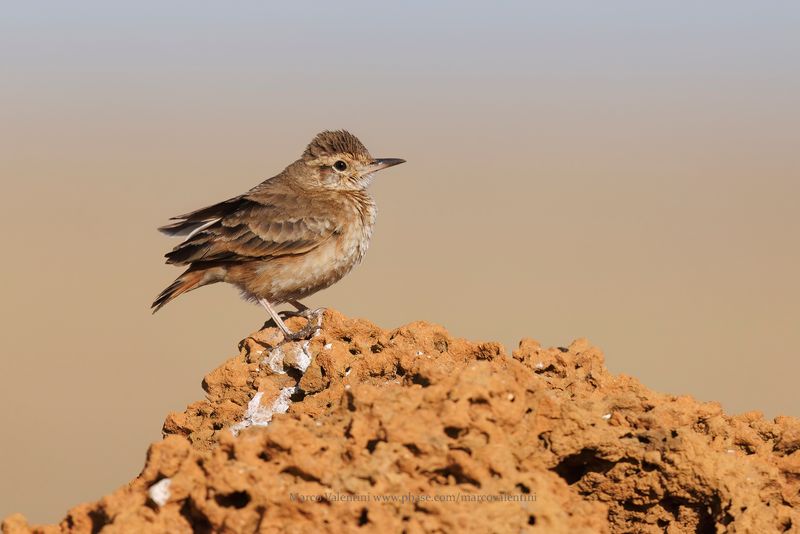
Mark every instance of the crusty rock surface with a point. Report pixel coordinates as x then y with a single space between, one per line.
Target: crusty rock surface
412 430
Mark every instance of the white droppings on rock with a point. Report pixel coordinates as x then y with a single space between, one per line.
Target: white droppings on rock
293 354
284 400
303 358
328 346
607 416
347 372
258 415
159 492
539 365
347 386
420 353
274 360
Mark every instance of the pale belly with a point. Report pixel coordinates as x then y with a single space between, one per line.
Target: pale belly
295 277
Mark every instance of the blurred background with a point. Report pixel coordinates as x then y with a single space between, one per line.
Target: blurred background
629 173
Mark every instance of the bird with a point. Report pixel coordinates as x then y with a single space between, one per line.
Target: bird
286 238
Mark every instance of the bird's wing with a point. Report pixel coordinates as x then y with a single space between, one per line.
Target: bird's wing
190 223
246 228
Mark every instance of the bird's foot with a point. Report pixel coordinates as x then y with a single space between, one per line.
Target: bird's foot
314 318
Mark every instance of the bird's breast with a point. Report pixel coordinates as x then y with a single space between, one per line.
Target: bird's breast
294 277
352 239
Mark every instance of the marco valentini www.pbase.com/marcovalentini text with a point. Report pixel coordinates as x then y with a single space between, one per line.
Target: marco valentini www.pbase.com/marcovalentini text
412 497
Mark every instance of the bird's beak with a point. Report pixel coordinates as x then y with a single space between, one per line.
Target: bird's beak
379 164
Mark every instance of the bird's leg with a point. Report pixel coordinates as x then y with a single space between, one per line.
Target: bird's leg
299 305
305 311
303 333
302 310
275 317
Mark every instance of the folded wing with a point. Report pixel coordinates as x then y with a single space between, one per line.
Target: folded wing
244 228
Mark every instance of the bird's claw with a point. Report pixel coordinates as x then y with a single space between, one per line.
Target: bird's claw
314 323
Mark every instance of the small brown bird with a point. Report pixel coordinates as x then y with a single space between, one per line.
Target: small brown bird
290 236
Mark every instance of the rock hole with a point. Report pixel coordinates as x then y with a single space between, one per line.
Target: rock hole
371 444
453 431
355 351
197 519
575 466
298 395
441 345
531 519
376 348
99 519
457 472
398 369
235 499
563 349
673 433
544 438
264 456
299 473
523 488
363 519
420 380
295 374
346 339
549 369
707 513
413 449
706 523
420 510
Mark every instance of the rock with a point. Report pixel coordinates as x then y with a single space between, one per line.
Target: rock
413 430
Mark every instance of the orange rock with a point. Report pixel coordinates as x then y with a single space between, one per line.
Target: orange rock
413 430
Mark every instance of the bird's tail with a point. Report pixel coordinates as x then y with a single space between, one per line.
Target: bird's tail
191 279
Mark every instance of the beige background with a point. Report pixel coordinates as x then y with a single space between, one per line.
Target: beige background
627 174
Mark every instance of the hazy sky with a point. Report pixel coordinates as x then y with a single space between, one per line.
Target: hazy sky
627 172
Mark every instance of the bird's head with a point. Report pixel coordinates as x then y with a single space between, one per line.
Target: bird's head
339 161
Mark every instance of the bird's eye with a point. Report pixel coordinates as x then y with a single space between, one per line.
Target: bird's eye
340 166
